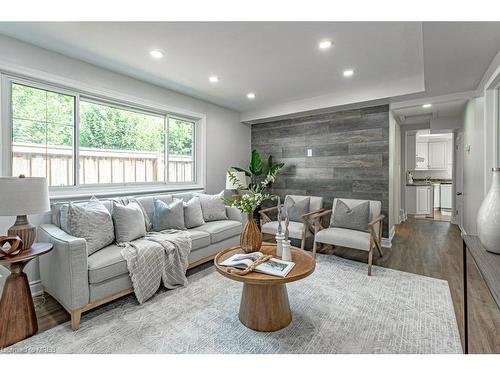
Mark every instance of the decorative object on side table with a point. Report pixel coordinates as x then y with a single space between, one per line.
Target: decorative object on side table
17 313
22 196
251 237
488 216
286 253
280 236
10 245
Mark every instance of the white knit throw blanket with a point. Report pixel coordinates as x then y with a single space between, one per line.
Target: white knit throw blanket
156 257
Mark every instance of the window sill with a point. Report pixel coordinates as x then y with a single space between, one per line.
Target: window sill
82 193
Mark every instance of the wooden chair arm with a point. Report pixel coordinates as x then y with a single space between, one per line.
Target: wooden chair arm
263 214
317 217
268 209
306 218
376 220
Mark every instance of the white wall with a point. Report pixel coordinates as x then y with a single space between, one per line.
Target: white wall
474 163
227 140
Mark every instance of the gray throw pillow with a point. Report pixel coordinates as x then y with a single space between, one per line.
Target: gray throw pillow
168 216
129 222
356 218
193 215
294 210
91 221
213 206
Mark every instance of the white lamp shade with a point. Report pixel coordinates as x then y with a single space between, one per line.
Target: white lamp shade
23 196
240 176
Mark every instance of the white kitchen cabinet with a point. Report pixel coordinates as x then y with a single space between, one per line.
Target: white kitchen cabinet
437 195
437 155
446 201
422 155
424 200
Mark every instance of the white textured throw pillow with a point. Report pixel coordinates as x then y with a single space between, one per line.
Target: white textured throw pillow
193 215
91 221
213 206
129 222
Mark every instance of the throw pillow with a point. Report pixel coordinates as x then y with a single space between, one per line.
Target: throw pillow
355 218
193 215
294 210
129 222
91 221
213 206
168 216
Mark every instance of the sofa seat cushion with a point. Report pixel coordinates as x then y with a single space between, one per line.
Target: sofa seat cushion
294 229
106 264
345 238
199 239
221 229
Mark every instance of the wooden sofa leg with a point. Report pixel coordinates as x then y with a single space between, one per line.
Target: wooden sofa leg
75 319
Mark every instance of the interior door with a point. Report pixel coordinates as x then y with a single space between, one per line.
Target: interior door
459 180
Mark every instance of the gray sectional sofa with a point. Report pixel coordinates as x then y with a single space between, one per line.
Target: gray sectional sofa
81 282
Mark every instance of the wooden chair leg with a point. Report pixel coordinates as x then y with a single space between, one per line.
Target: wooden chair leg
75 319
370 260
314 249
379 248
303 243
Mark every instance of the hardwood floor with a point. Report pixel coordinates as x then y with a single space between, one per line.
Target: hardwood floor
425 247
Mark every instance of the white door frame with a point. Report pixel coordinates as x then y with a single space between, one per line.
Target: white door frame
458 181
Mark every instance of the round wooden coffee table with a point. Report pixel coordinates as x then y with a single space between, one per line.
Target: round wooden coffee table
264 303
17 313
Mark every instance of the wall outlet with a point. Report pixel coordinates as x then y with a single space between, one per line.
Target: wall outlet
309 152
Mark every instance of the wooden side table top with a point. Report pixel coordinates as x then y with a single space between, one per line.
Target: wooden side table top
304 266
24 256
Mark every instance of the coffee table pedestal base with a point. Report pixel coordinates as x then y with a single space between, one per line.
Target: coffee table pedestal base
265 308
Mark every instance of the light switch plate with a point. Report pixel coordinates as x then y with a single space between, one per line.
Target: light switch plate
309 152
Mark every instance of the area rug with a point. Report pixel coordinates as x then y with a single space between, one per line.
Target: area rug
338 309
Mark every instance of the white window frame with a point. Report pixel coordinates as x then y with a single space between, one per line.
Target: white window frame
113 99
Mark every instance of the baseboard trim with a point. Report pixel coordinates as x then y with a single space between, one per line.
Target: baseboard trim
36 288
387 242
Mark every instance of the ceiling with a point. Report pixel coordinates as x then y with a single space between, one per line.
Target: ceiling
280 61
416 114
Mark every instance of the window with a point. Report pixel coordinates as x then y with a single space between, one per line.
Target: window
42 134
78 141
180 150
119 146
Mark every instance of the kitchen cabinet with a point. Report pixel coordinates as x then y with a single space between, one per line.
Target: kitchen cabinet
437 155
424 200
446 201
422 155
437 195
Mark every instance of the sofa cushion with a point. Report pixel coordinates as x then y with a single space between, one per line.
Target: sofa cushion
106 264
294 229
344 237
221 229
199 239
168 216
213 206
92 222
148 203
193 215
129 222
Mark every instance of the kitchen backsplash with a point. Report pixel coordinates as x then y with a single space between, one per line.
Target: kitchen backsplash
441 174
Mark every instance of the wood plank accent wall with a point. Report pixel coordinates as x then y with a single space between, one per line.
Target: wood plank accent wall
350 155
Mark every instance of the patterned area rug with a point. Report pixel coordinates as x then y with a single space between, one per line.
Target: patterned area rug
338 309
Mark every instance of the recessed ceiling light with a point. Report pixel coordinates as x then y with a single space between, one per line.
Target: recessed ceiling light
428 105
251 95
325 44
156 54
348 73
213 79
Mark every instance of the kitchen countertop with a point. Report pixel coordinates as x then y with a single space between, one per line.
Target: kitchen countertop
417 182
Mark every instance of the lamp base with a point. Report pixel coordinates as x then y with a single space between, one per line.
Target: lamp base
23 229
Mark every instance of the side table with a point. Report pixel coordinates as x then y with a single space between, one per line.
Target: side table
17 312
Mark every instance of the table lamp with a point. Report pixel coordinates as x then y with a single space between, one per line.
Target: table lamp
22 196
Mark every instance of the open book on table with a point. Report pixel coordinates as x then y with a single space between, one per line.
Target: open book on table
274 267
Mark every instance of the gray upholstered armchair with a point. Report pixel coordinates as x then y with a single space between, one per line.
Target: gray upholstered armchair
354 239
302 229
